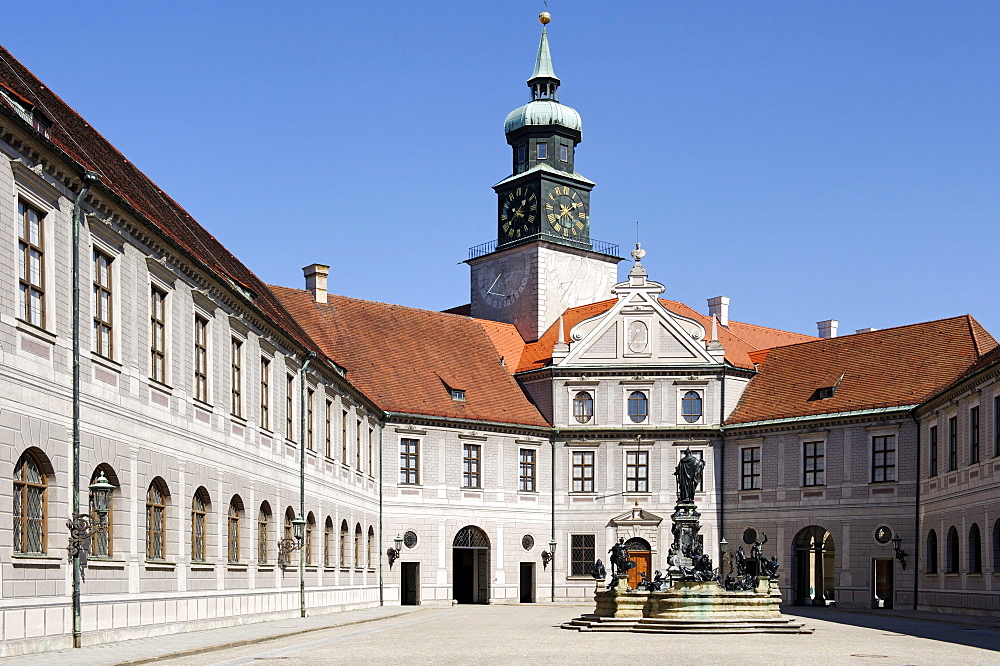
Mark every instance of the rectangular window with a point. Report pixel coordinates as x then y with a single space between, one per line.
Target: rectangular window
521 154
103 319
637 471
236 376
700 455
582 554
563 152
357 447
996 430
953 443
265 393
310 442
409 461
883 458
583 471
158 335
31 266
542 150
974 435
813 464
933 451
201 358
343 437
371 452
527 477
289 408
470 465
329 429
750 472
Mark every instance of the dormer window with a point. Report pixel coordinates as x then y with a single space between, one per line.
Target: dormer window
824 393
458 395
40 123
542 150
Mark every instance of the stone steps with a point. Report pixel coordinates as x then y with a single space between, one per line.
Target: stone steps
669 626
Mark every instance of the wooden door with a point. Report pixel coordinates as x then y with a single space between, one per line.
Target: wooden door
643 564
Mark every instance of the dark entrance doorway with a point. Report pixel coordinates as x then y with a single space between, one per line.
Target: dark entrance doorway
527 582
814 567
409 582
471 566
882 588
640 553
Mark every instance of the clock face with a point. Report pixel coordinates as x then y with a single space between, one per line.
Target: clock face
566 211
502 282
518 213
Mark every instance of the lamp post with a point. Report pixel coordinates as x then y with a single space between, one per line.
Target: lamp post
392 554
292 543
81 530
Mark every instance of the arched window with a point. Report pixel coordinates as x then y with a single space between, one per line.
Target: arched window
638 406
30 504
263 527
691 406
583 407
327 542
357 546
975 550
371 547
952 550
200 504
310 528
932 552
156 519
287 532
344 529
235 515
996 546
101 544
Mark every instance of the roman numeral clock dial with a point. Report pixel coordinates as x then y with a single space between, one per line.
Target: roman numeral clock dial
566 211
519 213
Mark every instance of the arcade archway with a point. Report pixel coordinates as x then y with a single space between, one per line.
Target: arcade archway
814 566
471 566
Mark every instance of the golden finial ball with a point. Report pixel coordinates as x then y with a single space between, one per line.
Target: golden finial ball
544 18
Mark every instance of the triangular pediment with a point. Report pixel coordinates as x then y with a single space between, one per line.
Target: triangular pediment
637 330
635 516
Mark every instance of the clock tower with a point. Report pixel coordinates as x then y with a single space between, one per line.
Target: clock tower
543 260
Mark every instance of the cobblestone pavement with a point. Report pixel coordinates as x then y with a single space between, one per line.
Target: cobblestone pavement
531 634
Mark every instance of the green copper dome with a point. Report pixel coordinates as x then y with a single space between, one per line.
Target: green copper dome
543 112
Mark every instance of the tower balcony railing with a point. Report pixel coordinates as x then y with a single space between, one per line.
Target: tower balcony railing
602 247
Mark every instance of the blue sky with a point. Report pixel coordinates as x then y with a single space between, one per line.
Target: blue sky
809 160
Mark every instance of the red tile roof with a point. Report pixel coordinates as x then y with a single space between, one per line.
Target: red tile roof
85 145
739 339
887 368
405 359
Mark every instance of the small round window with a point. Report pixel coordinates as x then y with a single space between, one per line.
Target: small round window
638 406
410 539
527 542
691 406
583 407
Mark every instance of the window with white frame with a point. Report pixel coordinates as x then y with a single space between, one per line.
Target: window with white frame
158 335
31 265
691 406
583 406
103 305
582 547
637 471
583 471
526 481
236 377
471 459
409 461
201 358
638 406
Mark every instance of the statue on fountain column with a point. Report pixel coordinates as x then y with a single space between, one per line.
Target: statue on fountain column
689 476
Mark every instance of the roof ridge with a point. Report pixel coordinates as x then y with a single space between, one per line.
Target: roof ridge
881 330
372 302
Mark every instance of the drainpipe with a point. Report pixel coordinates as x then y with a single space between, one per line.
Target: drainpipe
303 411
552 465
916 522
381 539
722 459
89 178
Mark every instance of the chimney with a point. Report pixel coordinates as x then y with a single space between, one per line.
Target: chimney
866 330
828 328
316 275
719 307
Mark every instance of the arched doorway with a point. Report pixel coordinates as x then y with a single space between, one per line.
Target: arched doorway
640 553
814 564
471 566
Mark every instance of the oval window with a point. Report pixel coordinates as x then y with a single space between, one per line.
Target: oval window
583 407
638 406
691 406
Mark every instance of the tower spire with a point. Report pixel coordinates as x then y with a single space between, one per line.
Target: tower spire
543 81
